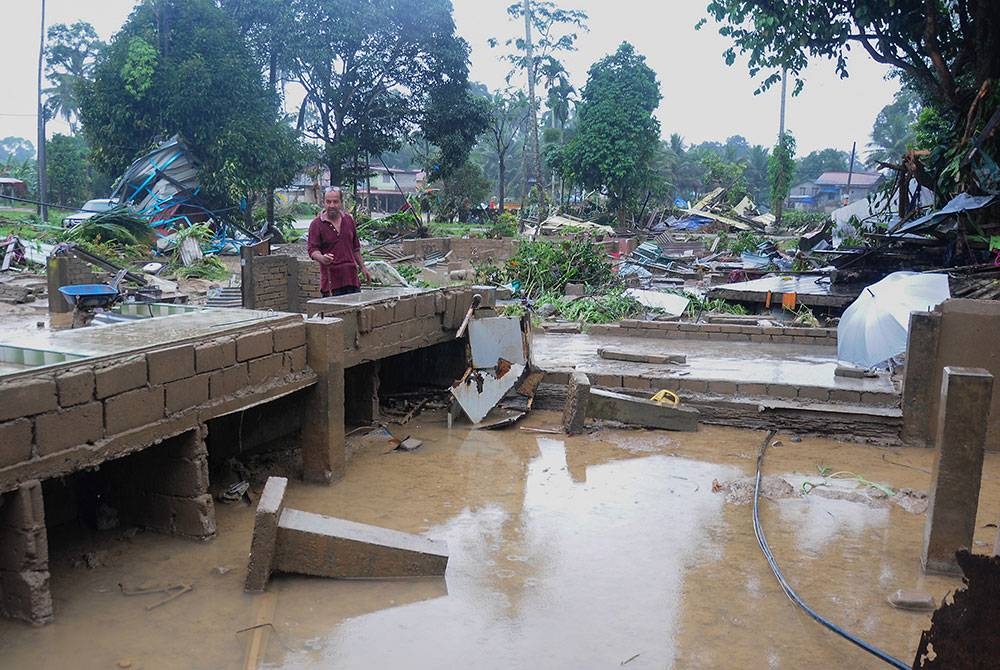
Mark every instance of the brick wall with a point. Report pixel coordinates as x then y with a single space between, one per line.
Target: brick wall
79 415
395 326
308 285
720 332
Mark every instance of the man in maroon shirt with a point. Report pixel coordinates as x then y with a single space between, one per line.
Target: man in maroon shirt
333 243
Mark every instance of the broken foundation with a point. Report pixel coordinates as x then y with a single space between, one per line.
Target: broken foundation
118 424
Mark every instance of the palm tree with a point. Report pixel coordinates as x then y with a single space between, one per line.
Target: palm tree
892 133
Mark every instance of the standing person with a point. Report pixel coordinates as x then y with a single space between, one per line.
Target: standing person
333 243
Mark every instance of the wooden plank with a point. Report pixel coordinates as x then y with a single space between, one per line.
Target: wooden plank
257 646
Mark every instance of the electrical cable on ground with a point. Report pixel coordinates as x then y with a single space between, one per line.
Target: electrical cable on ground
792 595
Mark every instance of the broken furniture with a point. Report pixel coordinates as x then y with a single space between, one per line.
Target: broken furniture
293 541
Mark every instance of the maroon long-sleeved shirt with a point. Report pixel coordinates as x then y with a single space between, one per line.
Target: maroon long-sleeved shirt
323 237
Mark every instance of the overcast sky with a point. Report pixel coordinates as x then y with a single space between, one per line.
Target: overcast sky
703 99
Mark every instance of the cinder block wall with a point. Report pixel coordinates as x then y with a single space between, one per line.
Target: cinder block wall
959 333
403 324
720 332
56 422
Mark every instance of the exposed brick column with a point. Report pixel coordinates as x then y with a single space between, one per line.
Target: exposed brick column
323 448
24 556
165 488
918 380
966 394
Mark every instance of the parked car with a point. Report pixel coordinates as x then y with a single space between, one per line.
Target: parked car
90 209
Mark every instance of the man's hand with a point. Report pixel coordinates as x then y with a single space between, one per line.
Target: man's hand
325 259
367 275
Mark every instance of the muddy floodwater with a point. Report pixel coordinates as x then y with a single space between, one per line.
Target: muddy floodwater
606 550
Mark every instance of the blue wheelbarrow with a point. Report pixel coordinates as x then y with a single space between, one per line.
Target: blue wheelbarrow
86 298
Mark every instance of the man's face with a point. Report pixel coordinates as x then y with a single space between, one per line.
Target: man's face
332 200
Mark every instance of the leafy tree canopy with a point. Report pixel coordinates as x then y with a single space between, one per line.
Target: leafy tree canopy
179 66
617 134
375 71
949 52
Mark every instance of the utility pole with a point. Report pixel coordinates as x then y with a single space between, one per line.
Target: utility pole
43 209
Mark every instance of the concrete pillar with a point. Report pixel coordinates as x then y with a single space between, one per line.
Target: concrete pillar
246 277
577 399
58 274
323 447
963 418
24 556
361 384
166 488
918 380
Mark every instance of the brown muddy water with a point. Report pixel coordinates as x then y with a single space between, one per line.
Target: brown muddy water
607 550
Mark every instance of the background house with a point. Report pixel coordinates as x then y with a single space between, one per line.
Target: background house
830 190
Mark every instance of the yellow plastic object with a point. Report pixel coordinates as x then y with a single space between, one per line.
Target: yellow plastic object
666 397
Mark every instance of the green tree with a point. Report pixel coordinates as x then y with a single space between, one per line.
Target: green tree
947 51
180 67
893 130
70 54
811 166
617 135
68 170
548 31
372 70
720 173
462 190
781 172
509 113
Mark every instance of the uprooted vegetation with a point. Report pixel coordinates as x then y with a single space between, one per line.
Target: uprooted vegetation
545 266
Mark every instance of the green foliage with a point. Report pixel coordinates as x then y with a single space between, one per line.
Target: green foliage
505 225
724 174
70 53
139 67
544 266
180 67
781 171
68 168
700 305
464 189
117 227
945 51
892 132
607 307
796 218
617 135
411 273
209 267
745 240
372 71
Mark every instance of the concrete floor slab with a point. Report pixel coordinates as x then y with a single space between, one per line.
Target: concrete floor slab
738 362
137 335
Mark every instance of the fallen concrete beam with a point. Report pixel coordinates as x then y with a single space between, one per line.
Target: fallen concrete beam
639 411
293 541
657 359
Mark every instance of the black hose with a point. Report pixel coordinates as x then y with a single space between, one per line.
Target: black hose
792 595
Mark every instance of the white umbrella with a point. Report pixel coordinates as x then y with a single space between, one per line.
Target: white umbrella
874 327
